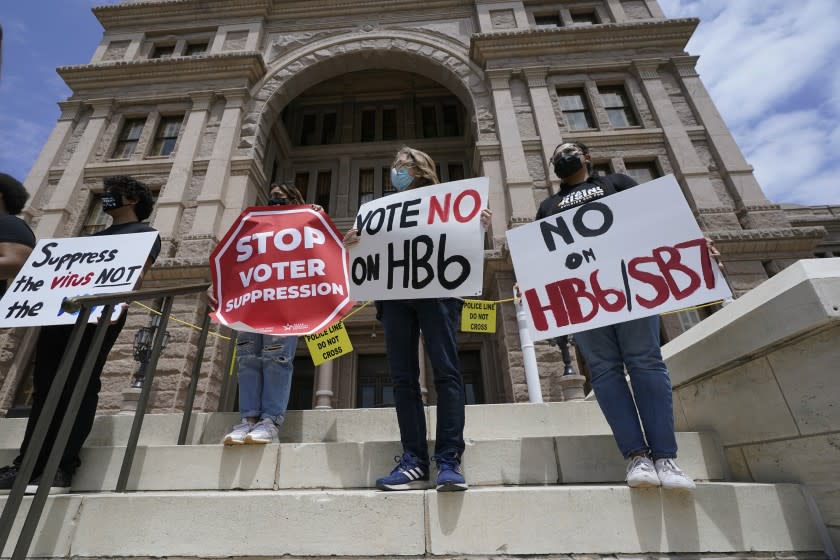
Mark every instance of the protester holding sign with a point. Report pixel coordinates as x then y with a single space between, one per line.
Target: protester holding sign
16 238
128 202
438 319
651 448
264 366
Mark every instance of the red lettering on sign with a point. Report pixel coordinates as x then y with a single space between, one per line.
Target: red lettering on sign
436 209
475 209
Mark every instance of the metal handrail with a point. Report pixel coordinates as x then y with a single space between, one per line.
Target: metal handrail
84 305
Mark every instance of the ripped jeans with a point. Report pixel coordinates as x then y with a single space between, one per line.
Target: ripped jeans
264 365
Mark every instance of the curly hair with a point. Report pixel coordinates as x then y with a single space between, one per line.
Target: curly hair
14 194
129 187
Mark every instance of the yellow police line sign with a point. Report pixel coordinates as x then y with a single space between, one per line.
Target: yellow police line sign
478 316
329 344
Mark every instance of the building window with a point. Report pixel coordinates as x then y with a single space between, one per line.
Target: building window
387 187
688 319
450 120
163 51
302 184
329 127
389 124
374 388
309 130
575 109
196 49
368 125
548 20
366 186
167 135
428 120
601 169
584 17
618 106
642 171
322 190
128 138
456 171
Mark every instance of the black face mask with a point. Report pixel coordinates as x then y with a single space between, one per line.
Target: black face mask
566 166
111 201
274 201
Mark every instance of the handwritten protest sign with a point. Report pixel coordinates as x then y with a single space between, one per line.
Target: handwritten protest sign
629 255
74 266
478 316
329 344
280 271
423 243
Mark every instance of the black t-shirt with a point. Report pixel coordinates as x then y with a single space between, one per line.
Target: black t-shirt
14 230
593 188
133 227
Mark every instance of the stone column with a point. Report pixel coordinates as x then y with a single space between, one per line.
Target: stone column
202 237
736 172
517 179
324 392
491 167
37 178
547 127
654 9
616 11
170 204
688 167
59 207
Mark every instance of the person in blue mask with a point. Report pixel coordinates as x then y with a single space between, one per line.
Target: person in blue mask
438 319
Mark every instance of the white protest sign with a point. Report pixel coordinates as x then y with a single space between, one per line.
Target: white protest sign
70 267
422 243
629 255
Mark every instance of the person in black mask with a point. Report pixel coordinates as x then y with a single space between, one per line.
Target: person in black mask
128 202
649 448
264 365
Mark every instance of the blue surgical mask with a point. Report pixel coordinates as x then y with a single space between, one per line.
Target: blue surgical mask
401 179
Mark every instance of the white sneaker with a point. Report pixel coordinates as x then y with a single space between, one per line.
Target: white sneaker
238 433
641 473
265 431
672 477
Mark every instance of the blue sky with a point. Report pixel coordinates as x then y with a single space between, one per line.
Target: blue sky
770 65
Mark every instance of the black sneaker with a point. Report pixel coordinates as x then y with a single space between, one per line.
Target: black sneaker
7 478
61 483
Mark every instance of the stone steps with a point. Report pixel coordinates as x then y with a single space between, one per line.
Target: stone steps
520 461
372 424
593 519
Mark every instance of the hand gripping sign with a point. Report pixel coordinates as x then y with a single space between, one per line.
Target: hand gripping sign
423 243
281 272
629 255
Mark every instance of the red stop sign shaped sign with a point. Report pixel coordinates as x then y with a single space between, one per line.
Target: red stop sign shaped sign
281 272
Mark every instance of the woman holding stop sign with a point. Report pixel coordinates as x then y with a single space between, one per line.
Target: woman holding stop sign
438 319
264 366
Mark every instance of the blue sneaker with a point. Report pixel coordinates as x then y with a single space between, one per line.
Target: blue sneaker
449 477
409 474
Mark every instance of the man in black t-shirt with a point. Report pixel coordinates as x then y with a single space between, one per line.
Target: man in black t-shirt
16 238
651 447
128 202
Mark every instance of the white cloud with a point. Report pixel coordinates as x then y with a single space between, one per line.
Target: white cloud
770 67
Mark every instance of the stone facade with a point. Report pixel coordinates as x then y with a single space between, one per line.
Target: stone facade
323 93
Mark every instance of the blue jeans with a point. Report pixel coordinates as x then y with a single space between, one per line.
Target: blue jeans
402 321
634 344
264 365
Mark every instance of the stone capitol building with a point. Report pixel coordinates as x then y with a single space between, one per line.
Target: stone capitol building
210 101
